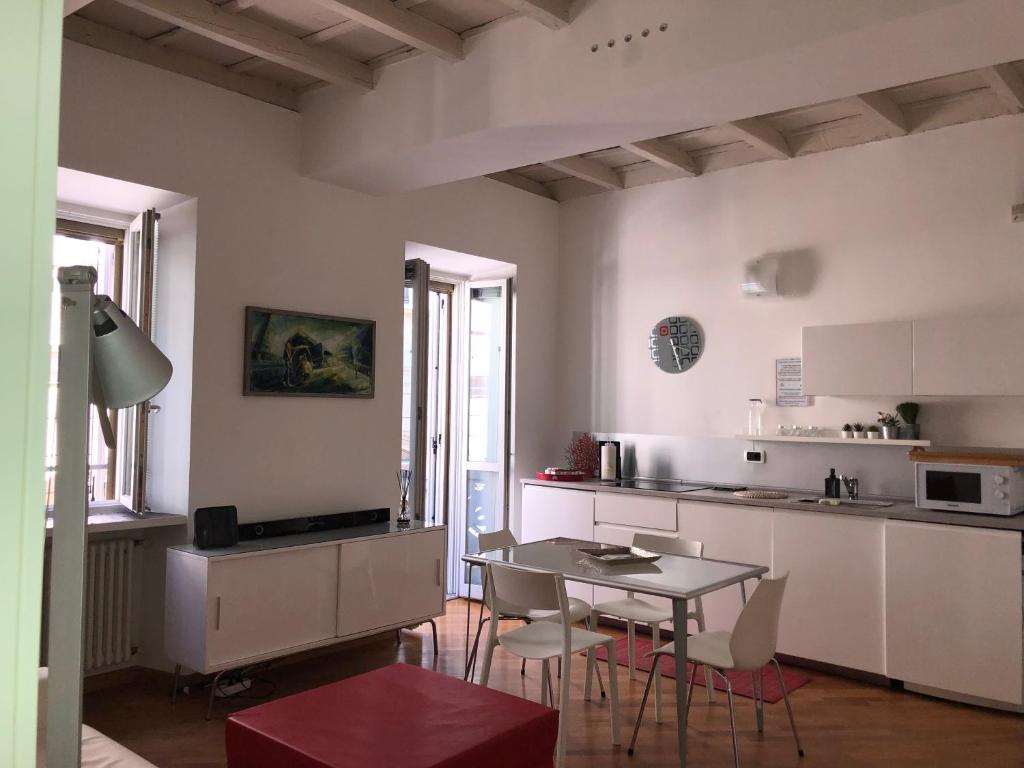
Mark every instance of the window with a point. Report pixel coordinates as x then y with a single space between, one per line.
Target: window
126 274
100 248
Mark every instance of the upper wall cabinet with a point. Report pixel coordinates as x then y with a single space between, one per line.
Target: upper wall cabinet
859 359
969 356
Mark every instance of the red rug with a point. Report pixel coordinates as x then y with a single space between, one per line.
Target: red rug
742 685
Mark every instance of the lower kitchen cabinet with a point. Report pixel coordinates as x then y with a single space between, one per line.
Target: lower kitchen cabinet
733 532
390 580
552 512
953 609
834 607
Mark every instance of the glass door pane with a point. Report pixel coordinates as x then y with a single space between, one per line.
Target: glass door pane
485 416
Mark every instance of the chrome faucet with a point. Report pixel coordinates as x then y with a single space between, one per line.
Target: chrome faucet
852 486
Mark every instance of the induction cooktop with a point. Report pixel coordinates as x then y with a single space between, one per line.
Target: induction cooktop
674 486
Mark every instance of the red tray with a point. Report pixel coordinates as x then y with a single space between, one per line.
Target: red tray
569 477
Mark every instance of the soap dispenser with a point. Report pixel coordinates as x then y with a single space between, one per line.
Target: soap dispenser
832 485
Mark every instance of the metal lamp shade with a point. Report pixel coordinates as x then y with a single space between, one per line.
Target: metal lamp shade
129 368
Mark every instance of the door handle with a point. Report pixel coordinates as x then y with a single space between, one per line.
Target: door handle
216 620
437 572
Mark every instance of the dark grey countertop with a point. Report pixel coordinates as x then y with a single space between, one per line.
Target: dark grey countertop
373 530
902 509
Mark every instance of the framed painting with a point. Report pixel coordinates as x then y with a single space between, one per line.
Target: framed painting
301 354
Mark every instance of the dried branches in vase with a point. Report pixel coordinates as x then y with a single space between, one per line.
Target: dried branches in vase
404 481
583 454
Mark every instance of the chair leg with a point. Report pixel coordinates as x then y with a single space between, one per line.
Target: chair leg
522 669
732 721
643 703
613 689
492 640
689 692
757 688
592 666
545 683
471 664
433 629
631 645
709 681
398 636
655 642
174 690
551 691
789 709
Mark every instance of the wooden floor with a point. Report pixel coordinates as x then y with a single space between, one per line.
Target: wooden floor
842 722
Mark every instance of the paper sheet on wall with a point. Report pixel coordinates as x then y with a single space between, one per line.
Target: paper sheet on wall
789 383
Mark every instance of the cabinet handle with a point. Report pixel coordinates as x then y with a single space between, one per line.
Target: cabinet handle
437 571
216 622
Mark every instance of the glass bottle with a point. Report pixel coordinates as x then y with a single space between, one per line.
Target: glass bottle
755 413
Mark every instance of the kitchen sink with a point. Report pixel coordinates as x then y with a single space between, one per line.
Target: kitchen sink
850 502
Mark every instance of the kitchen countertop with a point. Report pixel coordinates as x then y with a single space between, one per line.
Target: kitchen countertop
902 509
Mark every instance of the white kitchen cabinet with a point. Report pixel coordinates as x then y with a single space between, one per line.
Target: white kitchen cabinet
287 600
636 511
969 356
734 532
953 609
859 359
389 580
834 607
552 512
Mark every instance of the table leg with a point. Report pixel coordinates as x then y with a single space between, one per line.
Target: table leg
679 612
469 607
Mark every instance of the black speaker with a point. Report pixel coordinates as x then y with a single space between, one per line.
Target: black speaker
216 527
290 526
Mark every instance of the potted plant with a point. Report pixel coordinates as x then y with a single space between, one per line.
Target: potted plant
890 425
872 432
858 430
910 430
847 431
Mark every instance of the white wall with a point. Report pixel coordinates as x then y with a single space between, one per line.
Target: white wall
267 236
908 228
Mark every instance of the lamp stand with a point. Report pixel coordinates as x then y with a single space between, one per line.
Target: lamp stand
70 518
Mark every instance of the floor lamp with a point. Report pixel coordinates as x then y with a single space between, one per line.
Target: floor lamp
107 361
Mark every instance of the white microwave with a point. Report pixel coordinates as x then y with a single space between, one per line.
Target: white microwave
980 489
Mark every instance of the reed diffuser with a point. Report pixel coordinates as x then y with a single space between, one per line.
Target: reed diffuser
404 481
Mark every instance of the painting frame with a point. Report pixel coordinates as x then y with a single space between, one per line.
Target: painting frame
252 316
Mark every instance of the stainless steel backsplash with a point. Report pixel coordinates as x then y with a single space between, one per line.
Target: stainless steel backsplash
882 470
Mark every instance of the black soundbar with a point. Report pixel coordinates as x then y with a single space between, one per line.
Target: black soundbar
286 527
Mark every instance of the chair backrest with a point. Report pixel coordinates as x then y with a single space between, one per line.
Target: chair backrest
496 540
668 545
516 591
757 629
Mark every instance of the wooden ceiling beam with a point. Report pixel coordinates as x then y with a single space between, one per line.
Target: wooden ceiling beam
880 108
313 38
400 24
522 182
87 32
762 137
665 155
555 14
1007 85
588 170
255 38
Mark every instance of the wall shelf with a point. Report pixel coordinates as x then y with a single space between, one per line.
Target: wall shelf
876 442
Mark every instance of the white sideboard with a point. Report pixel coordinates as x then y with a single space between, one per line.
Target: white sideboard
264 599
939 607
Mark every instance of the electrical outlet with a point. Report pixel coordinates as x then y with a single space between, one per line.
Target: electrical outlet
754 457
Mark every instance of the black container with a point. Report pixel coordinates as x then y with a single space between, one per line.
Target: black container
833 485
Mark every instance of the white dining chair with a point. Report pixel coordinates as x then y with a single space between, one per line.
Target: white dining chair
579 610
748 648
514 590
634 610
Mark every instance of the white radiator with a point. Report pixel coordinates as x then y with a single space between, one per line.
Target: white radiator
108 604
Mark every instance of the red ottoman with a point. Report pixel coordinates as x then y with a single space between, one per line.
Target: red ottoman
398 716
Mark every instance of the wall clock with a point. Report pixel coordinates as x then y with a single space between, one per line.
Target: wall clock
676 343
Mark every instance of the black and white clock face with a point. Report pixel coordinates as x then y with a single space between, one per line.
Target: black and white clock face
676 343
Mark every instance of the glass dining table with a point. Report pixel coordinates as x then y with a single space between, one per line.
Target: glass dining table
677 578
